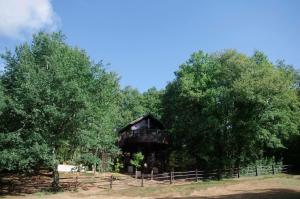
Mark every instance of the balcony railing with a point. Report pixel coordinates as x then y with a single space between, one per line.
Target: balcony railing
144 136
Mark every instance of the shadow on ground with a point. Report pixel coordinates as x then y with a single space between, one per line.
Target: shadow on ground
260 194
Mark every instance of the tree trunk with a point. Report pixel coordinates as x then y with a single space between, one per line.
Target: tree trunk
55 182
94 168
96 155
100 166
104 160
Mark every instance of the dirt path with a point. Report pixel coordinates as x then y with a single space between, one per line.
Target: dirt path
284 188
279 187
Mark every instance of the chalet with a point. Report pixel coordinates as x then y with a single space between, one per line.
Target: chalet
147 135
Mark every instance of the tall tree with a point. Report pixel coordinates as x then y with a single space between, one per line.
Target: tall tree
222 107
55 95
98 138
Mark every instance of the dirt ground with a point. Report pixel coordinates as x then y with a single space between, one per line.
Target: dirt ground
278 187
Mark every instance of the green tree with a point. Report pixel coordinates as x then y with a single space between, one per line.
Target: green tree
2 99
60 105
99 136
152 102
135 104
131 105
228 109
136 161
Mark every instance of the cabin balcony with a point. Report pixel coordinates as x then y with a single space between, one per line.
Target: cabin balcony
144 136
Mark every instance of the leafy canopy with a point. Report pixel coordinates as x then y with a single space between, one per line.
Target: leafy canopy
59 106
137 159
227 109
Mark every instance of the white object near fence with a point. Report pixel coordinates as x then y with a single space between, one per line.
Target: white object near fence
66 168
138 174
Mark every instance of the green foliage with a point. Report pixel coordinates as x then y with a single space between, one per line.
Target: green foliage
224 109
135 104
152 102
228 109
118 165
181 160
131 105
59 106
137 160
2 99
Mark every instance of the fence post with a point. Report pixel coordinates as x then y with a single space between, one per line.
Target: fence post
151 174
171 178
238 170
256 171
196 175
142 180
76 182
273 170
111 182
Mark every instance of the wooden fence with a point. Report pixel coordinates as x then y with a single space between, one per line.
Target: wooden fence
217 174
25 184
172 177
16 183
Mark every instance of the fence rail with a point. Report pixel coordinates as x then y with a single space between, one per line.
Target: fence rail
8 184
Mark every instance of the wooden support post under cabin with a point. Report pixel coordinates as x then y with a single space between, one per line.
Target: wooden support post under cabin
219 174
196 175
238 172
171 178
256 171
142 180
151 174
110 182
273 169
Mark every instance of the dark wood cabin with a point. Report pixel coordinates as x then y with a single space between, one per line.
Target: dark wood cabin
147 135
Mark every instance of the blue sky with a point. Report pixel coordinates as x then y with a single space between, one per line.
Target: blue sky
145 41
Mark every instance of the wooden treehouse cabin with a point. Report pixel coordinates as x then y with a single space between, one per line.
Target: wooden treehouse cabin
147 135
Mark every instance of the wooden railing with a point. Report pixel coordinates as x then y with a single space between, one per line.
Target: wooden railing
144 136
21 184
173 177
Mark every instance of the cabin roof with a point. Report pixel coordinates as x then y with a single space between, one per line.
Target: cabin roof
140 119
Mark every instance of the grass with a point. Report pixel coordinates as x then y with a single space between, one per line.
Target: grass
155 191
286 182
42 194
